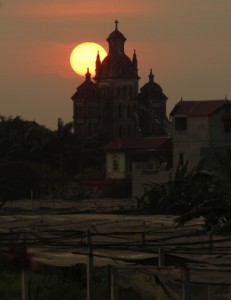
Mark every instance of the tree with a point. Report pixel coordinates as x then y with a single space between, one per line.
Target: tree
189 195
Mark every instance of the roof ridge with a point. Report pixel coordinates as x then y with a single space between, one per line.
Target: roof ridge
194 107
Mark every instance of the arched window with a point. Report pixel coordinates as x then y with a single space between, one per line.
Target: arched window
115 163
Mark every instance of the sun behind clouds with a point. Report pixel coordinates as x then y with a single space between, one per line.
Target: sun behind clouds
83 56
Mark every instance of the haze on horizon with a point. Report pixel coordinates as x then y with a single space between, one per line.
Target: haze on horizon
187 45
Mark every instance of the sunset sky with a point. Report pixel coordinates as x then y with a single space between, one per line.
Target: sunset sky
186 43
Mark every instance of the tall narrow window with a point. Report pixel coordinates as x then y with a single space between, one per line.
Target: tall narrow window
128 111
229 155
119 111
227 125
181 158
120 131
89 127
124 90
118 91
115 163
129 130
130 91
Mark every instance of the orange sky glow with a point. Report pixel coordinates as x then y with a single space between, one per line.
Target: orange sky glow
187 45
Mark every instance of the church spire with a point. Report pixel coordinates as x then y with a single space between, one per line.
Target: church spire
151 76
97 65
116 24
135 63
88 75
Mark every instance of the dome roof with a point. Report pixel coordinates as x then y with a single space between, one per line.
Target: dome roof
152 89
87 89
116 35
117 65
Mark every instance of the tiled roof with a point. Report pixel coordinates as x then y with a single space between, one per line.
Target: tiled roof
140 143
200 107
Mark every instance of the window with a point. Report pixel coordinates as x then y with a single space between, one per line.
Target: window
229 155
181 158
227 125
130 91
180 123
89 127
119 111
120 131
125 90
129 111
153 128
115 163
79 111
119 91
129 130
92 112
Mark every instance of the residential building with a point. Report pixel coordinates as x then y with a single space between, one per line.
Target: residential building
139 160
201 130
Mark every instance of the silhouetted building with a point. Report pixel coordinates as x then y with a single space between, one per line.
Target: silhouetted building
112 103
152 109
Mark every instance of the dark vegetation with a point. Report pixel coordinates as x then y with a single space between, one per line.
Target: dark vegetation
191 194
49 163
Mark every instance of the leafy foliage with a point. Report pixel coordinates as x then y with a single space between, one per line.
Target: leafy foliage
190 194
35 157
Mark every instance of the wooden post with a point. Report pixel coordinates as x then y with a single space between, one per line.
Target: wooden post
161 263
186 284
210 236
209 292
143 234
89 268
161 258
24 285
32 198
113 284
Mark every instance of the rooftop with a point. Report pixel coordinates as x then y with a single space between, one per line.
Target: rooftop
199 107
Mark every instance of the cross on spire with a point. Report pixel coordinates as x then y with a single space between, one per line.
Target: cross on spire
116 24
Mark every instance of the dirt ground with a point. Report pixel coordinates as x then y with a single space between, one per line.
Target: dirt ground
64 233
85 205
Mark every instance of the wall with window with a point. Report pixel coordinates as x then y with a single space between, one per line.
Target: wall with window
115 165
220 127
192 134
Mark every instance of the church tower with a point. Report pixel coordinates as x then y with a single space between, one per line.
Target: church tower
111 105
117 79
86 108
152 109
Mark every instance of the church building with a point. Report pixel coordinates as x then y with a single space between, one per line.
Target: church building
111 102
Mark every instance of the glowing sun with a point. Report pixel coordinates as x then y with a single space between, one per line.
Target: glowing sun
84 55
